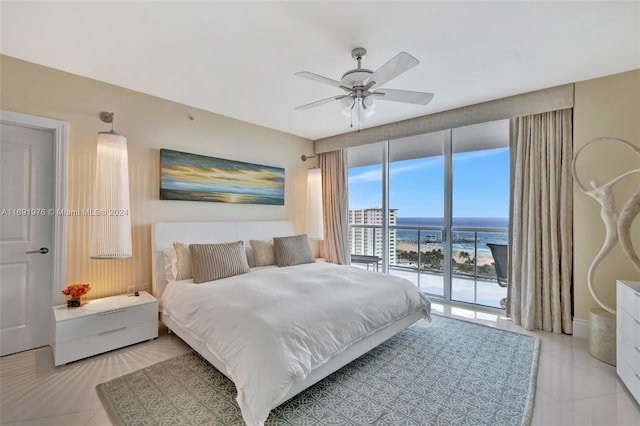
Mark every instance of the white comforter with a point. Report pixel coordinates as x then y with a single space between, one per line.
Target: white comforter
272 327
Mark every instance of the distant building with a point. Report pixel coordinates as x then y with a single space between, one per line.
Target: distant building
368 241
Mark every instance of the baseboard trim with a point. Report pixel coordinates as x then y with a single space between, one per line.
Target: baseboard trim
581 328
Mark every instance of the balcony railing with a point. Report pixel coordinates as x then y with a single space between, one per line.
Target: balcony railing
419 256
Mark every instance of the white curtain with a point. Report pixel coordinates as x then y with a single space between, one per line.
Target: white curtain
541 246
334 167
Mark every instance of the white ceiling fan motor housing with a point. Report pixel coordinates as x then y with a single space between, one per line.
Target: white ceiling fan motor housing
355 78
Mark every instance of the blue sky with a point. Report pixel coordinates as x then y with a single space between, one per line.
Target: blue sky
480 185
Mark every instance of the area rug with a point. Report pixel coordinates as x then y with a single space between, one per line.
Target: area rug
444 372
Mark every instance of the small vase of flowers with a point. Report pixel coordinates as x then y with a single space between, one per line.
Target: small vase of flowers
76 294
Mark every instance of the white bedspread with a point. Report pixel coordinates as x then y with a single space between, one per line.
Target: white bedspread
273 326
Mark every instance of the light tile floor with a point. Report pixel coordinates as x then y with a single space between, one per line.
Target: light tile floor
572 389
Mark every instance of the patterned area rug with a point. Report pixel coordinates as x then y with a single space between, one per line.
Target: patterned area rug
447 372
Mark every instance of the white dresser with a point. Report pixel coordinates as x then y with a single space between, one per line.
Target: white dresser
103 325
628 335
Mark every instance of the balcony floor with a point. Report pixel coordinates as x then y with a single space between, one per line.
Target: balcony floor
486 293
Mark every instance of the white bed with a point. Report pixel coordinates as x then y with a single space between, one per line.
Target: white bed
182 324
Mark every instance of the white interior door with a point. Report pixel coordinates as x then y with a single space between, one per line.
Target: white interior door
26 236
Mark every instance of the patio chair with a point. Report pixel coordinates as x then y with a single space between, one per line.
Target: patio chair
499 253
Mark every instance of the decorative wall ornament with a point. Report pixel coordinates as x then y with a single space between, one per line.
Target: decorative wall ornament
192 177
617 225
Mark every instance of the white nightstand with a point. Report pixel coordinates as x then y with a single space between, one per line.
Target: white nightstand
103 325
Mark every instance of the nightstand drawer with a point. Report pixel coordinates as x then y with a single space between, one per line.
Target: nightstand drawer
629 352
103 322
64 352
630 378
628 300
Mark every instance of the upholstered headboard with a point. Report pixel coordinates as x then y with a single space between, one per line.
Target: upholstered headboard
165 233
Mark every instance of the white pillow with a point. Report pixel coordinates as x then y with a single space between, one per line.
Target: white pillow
170 264
249 251
183 261
263 253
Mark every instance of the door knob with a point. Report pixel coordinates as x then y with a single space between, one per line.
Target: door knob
43 250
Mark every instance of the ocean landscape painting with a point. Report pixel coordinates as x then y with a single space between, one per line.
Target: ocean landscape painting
192 177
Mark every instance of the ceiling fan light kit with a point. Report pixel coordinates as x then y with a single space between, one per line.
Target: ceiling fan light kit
362 86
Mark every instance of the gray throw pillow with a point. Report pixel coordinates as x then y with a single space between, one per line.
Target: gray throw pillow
292 251
211 262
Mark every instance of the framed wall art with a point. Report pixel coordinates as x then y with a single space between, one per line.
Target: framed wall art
192 177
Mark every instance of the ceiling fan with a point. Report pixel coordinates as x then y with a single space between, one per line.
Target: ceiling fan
362 86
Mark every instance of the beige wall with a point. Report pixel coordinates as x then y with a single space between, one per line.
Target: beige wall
608 106
149 123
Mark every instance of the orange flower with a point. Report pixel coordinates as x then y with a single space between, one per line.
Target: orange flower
76 290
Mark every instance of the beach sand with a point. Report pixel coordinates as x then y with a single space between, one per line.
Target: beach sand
482 259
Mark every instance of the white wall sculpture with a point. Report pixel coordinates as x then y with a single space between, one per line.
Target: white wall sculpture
617 225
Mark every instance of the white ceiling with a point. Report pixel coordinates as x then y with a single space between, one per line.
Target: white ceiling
238 58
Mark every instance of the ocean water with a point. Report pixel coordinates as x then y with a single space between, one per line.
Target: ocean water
462 240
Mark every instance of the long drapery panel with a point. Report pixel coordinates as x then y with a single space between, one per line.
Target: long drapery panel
541 246
334 167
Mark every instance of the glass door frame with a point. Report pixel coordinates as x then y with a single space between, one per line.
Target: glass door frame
385 207
447 152
448 210
447 230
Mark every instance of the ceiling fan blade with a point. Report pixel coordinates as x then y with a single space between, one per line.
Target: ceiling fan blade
420 98
400 63
323 80
321 102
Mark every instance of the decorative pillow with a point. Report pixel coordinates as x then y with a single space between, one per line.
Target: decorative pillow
183 261
170 264
211 262
263 254
294 250
249 251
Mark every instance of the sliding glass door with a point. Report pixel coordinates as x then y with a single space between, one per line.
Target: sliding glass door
442 197
417 197
365 205
479 210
